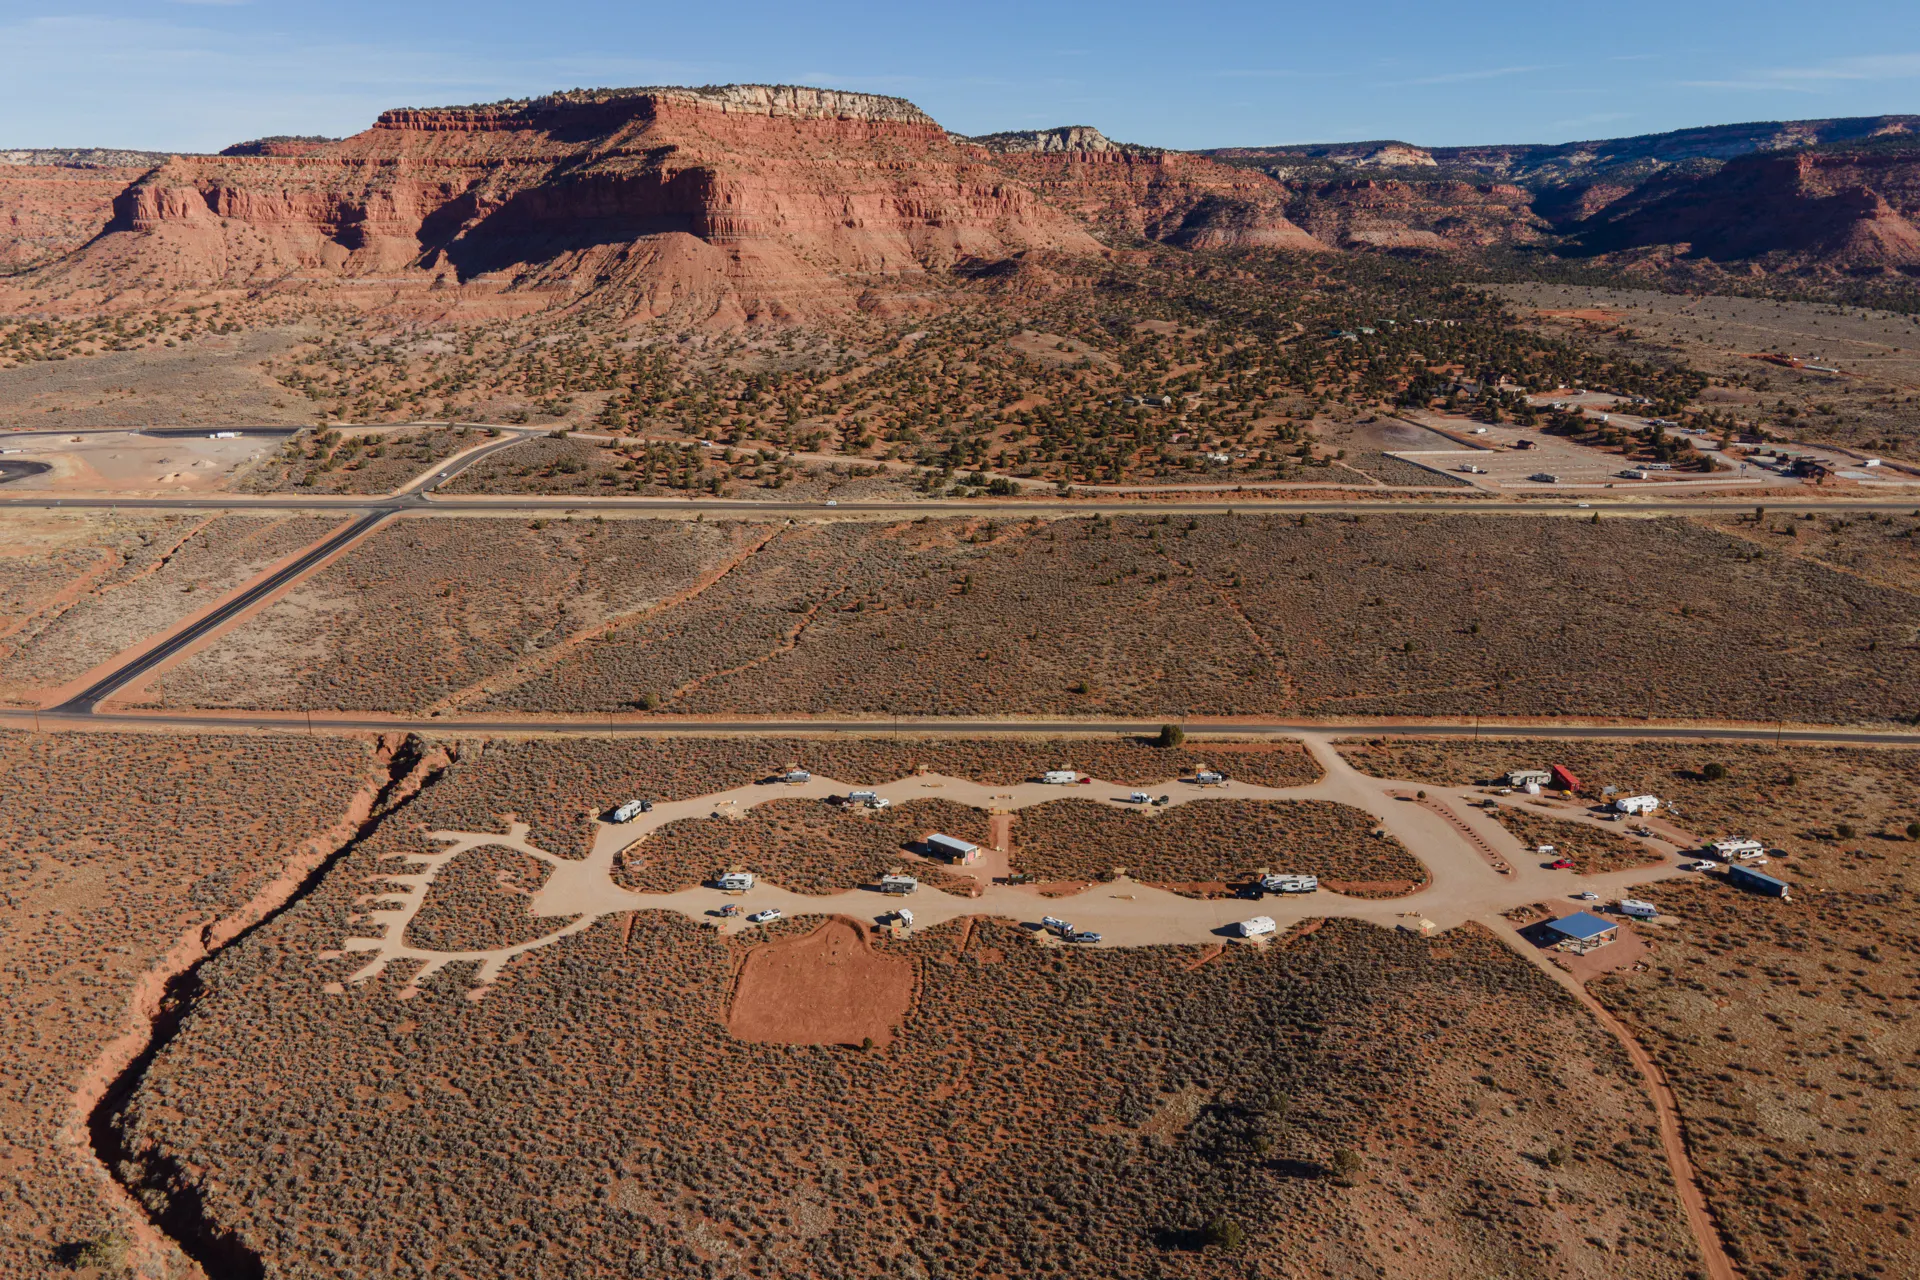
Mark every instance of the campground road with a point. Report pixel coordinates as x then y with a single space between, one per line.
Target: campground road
78 713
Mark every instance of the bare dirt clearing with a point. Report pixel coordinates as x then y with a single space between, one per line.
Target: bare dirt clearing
826 987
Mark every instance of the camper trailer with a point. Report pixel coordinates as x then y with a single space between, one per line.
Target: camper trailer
1255 927
1289 884
734 881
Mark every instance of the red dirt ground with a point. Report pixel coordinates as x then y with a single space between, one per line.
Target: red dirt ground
828 987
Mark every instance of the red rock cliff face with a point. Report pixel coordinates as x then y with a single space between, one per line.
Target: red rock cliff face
745 203
1390 213
49 208
1180 199
1836 211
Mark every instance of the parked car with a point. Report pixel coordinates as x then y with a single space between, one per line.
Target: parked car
1561 864
766 917
1705 864
1086 935
1587 895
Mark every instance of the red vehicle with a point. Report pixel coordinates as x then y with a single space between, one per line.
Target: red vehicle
1561 864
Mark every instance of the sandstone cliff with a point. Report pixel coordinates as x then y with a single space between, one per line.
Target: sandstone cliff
731 204
52 202
1134 193
1846 209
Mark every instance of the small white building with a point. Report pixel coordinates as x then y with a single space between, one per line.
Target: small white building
734 881
952 848
1636 804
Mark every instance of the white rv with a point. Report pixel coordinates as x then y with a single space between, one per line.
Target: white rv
898 883
734 881
1636 804
631 810
1060 777
1255 927
1727 849
1289 884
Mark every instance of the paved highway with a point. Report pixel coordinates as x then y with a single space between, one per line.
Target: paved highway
83 703
77 714
415 501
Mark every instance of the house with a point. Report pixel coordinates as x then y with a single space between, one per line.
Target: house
1758 881
952 848
1563 779
1583 931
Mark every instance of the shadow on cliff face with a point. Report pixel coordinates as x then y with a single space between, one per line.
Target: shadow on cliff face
569 215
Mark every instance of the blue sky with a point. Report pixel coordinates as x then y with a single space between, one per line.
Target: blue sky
199 74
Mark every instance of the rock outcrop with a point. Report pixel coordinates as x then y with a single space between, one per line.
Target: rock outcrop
1135 193
1842 209
52 202
732 204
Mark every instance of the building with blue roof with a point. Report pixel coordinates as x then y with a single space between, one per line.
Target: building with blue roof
1583 931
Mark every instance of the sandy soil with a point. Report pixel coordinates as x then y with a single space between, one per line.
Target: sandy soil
824 987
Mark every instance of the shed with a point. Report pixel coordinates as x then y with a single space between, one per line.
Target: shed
1757 881
952 847
1564 778
1583 931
